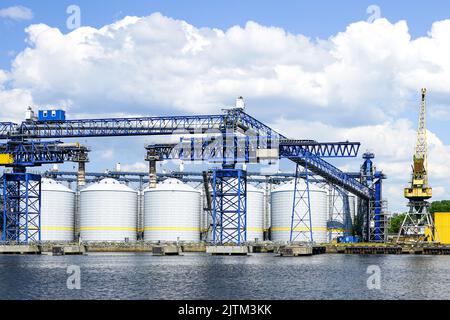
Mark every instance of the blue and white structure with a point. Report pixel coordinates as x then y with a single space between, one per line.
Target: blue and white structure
26 145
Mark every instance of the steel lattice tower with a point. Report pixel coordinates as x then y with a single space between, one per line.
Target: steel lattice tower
418 223
229 212
301 221
21 207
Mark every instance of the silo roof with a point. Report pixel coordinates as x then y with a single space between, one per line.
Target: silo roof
289 186
172 184
48 184
108 184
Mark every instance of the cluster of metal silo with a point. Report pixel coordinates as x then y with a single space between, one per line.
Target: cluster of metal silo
174 211
109 211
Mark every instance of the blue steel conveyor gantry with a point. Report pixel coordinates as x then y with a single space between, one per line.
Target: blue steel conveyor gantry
24 147
244 149
37 153
232 149
165 125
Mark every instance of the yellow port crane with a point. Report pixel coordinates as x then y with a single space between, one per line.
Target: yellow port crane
419 188
418 223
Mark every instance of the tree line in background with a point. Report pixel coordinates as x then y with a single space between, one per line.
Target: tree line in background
395 222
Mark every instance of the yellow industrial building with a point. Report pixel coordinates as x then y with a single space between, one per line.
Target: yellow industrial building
442 225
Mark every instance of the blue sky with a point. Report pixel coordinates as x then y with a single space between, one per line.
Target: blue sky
380 119
317 18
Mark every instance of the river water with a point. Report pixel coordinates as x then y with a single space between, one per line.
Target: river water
200 276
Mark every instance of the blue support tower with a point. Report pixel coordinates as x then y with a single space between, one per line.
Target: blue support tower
363 218
21 207
372 212
229 212
379 223
301 222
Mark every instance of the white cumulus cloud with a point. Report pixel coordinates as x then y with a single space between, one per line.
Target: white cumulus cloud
135 167
393 144
156 64
16 13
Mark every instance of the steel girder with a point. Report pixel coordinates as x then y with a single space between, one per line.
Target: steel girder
332 174
37 153
235 120
244 149
295 148
119 127
6 128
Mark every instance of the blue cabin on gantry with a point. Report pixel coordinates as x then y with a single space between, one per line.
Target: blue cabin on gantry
51 115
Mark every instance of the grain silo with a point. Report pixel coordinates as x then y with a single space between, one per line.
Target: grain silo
172 212
255 213
108 212
57 211
281 211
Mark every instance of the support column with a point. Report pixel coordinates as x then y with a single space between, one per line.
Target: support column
229 206
377 212
140 216
21 207
81 174
152 173
152 157
267 215
81 182
301 222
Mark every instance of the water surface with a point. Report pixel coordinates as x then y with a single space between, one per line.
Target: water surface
200 276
